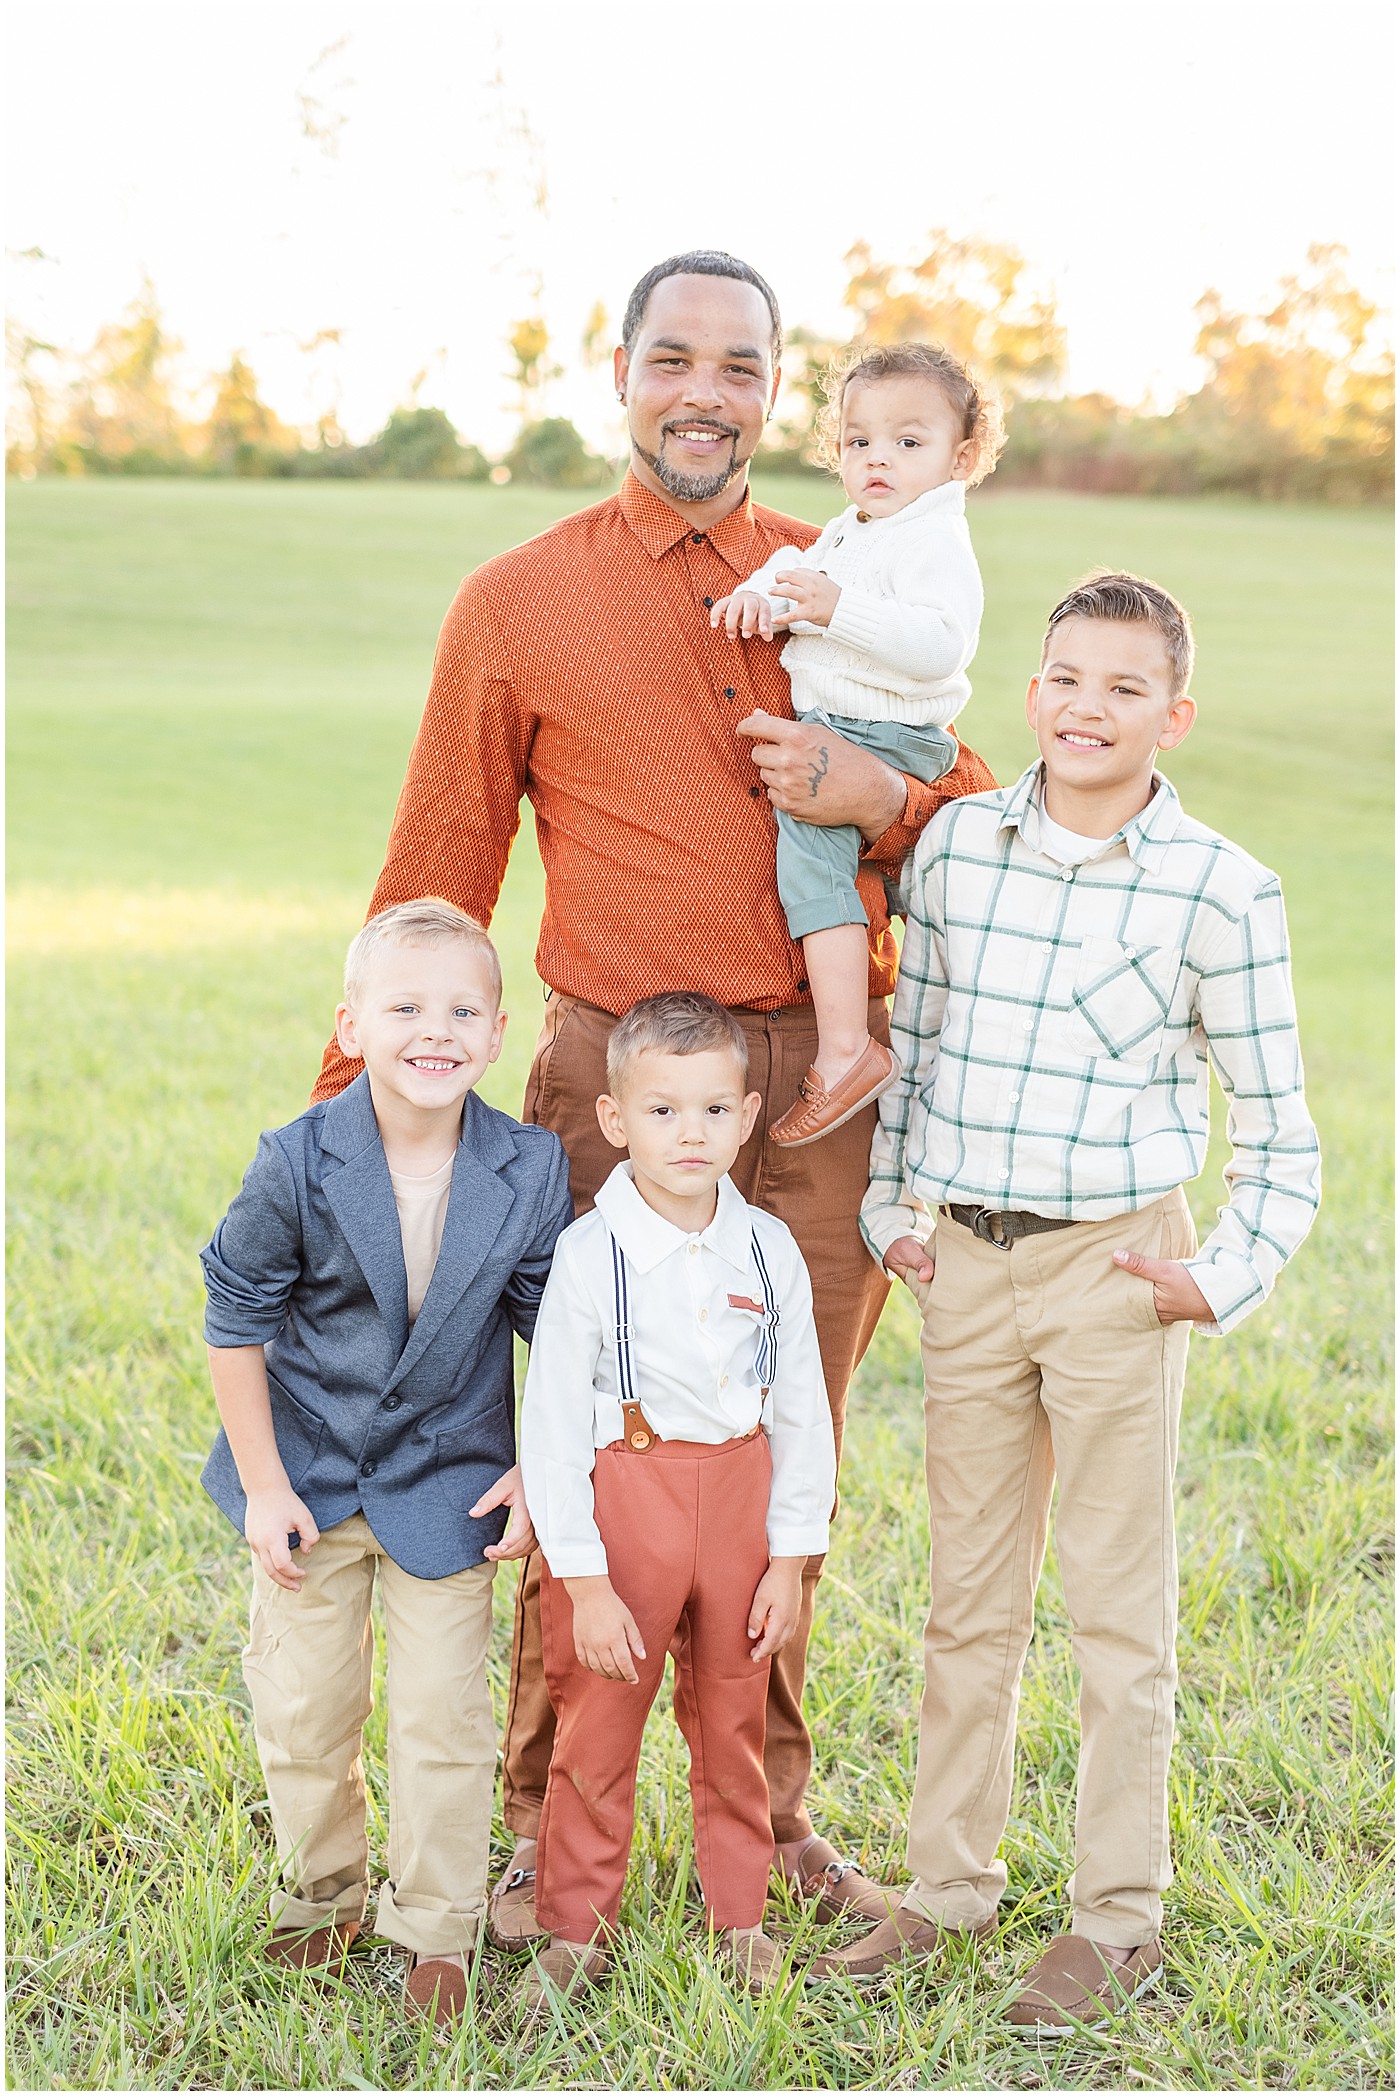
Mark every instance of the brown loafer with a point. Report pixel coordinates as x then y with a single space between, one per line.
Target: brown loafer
757 1962
1076 1981
902 1934
562 1972
838 1887
322 1950
437 1988
510 1911
818 1111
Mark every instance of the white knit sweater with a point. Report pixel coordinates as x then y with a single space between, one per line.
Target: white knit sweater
905 626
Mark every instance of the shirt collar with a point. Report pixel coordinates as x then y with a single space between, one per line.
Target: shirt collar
647 1238
735 537
1145 838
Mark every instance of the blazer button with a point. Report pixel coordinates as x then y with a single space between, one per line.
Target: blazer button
391 1404
368 1469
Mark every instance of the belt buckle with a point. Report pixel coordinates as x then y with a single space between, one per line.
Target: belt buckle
983 1226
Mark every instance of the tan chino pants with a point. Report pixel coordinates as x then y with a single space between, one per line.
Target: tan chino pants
817 1192
1040 1361
308 1669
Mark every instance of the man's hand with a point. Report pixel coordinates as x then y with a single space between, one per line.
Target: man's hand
508 1491
747 615
605 1630
810 594
1177 1298
777 1604
819 777
910 1261
272 1516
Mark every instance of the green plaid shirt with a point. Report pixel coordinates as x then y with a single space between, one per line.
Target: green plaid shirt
1056 1025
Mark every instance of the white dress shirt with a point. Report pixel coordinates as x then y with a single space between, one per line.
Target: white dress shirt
695 1304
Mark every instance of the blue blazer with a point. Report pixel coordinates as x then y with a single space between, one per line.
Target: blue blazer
408 1428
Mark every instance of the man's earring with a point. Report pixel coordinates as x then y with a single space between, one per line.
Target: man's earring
622 397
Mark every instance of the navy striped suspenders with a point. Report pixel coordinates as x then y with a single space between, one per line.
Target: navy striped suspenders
637 1431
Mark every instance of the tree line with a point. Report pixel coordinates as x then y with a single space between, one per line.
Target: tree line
1297 402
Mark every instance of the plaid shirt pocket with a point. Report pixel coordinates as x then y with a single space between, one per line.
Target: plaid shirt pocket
1121 998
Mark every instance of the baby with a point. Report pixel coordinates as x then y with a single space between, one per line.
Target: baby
883 611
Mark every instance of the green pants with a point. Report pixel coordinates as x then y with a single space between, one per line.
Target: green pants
817 865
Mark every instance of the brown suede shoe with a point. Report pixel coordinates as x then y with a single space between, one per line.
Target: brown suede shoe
818 1111
510 1911
1078 1981
562 1971
322 1950
902 1934
840 1890
756 1961
437 1988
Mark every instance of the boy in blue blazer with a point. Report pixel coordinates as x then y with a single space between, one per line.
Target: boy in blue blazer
362 1293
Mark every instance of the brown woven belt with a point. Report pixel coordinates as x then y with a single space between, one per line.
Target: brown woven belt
1002 1226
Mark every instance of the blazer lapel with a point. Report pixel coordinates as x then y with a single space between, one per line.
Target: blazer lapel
361 1199
477 1207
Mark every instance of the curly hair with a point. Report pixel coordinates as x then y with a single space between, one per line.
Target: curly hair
974 403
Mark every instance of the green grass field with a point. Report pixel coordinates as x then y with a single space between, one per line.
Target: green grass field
212 692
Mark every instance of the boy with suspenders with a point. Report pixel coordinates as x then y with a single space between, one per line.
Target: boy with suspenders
680 1467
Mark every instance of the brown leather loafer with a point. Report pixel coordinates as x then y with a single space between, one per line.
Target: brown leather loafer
562 1972
756 1961
818 1111
1076 1981
322 1950
510 1911
838 1887
902 1934
436 1988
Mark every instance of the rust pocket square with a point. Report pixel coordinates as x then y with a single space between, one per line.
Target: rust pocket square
744 1302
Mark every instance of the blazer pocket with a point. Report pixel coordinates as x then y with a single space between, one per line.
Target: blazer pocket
1121 998
484 1442
298 1432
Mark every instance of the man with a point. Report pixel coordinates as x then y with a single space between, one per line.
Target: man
581 671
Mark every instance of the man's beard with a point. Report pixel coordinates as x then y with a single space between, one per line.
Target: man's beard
692 487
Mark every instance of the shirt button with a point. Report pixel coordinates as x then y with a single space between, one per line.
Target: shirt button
1130 952
693 1249
724 1382
697 538
730 692
1066 873
703 1316
708 603
755 793
1015 1098
1046 946
1004 1173
802 983
368 1469
1026 1025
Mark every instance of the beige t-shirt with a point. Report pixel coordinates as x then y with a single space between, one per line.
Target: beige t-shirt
422 1206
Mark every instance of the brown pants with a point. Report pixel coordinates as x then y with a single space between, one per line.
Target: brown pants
817 1192
685 1527
1045 1361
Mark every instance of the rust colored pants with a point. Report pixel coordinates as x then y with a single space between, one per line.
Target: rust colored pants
684 1526
817 1192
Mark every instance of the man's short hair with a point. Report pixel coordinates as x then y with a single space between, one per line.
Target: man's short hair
699 262
1133 601
678 1022
427 921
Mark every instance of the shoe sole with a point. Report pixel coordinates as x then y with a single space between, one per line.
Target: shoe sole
1115 2008
800 1142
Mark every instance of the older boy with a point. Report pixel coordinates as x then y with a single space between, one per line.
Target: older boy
680 1466
362 1292
1079 952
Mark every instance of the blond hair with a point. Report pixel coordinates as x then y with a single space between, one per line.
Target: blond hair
976 406
678 1022
1133 601
427 921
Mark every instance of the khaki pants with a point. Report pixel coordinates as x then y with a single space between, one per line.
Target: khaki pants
817 1192
1040 1360
308 1670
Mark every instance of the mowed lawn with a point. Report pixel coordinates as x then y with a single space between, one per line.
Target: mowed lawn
213 689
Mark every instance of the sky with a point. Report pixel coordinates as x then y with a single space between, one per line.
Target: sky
417 177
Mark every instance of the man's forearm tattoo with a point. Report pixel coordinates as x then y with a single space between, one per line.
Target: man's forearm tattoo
820 763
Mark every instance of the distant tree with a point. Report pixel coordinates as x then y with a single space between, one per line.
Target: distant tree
595 343
533 370
123 416
34 409
552 454
974 296
421 444
243 435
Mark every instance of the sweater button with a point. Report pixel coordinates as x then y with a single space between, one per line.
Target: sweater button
368 1469
862 516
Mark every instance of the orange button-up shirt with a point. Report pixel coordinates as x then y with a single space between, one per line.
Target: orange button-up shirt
580 671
